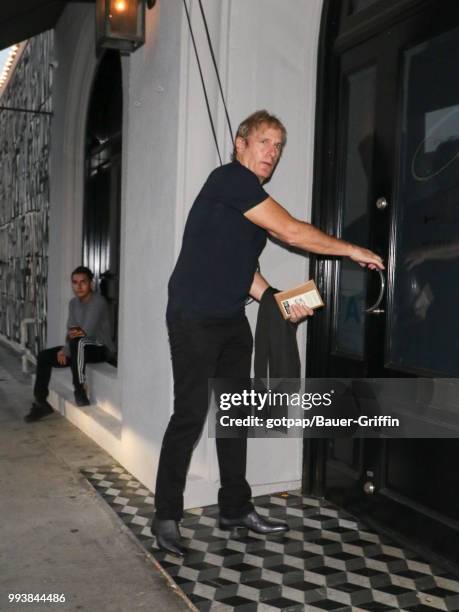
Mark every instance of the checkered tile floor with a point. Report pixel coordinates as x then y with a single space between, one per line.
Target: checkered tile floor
327 561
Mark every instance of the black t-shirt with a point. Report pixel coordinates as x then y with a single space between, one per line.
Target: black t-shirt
220 248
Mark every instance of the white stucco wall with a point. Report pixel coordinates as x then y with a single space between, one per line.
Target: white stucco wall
273 65
74 67
151 145
267 53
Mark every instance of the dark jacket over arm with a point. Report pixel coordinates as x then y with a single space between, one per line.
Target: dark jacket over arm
276 348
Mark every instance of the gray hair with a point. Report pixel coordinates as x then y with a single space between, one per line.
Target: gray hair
253 122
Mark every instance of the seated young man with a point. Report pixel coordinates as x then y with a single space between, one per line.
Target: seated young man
88 341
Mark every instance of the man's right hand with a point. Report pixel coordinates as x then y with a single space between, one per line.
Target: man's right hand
61 358
366 258
280 224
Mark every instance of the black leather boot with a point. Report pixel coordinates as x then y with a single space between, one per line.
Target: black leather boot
168 536
81 398
254 522
38 411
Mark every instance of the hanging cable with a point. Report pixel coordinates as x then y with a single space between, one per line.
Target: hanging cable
216 70
209 41
202 81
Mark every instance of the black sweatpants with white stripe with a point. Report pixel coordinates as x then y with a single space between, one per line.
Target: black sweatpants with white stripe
82 351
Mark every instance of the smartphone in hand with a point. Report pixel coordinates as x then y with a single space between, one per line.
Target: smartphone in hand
75 332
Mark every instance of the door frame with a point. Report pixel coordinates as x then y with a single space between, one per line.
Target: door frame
340 32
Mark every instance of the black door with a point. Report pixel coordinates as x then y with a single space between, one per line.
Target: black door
392 151
101 224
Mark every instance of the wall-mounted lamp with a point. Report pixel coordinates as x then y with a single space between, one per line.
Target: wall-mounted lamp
120 24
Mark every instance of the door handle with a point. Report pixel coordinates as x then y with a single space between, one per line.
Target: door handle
375 308
381 203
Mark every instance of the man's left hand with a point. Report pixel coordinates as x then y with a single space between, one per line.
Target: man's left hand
299 312
76 332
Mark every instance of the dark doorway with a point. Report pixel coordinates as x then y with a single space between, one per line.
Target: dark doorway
388 143
101 224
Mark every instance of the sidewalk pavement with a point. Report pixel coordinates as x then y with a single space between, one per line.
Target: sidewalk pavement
56 534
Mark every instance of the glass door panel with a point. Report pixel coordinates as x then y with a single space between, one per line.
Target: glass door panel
357 155
425 299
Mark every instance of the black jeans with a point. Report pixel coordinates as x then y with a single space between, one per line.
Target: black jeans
201 350
81 353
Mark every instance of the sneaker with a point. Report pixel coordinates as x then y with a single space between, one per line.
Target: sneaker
38 411
81 398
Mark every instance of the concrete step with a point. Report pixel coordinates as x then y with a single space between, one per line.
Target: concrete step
102 426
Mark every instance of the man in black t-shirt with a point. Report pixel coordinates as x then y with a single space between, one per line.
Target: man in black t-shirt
209 334
220 248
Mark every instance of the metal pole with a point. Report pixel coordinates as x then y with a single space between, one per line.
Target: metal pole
25 110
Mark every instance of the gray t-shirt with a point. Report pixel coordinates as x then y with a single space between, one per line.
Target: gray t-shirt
93 318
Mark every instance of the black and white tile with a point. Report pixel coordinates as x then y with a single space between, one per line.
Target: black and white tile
327 561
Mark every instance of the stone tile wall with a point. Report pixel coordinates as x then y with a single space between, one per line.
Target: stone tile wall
24 193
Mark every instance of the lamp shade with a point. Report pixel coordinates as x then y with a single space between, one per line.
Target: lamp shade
120 24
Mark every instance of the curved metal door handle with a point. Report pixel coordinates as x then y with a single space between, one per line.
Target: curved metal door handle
375 308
